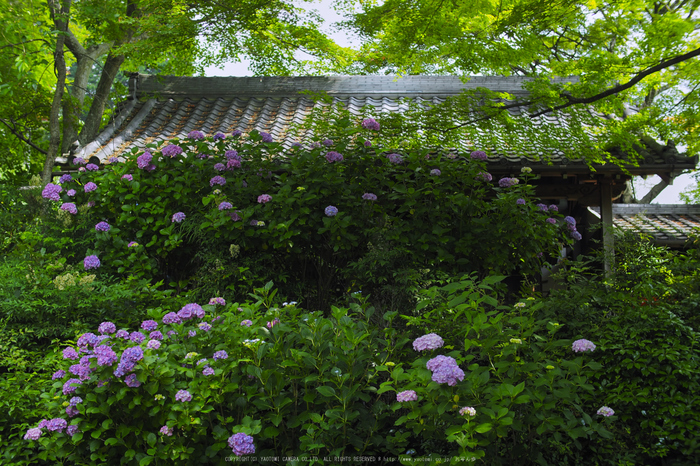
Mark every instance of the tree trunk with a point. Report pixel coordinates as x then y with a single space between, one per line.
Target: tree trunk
60 14
72 106
94 117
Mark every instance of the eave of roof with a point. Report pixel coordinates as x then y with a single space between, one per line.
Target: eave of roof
167 107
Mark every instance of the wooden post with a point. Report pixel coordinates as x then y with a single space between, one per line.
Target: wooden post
606 217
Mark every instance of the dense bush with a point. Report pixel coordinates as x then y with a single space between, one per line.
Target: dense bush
644 318
222 214
302 384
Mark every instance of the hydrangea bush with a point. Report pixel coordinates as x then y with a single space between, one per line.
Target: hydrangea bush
315 386
315 214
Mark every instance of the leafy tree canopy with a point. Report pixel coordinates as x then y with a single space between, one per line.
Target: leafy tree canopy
635 61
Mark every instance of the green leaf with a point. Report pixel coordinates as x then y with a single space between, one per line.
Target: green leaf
483 428
326 391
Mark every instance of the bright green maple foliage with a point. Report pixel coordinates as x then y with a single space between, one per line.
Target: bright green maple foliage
635 60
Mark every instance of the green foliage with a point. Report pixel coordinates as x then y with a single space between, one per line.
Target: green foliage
438 224
312 386
638 54
645 323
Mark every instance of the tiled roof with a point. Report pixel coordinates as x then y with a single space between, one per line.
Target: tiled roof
165 107
665 223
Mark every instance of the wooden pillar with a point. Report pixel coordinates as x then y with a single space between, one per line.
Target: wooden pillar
606 217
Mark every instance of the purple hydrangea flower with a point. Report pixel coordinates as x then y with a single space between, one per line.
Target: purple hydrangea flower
65 178
219 167
107 328
137 337
369 197
395 158
172 150
264 198
155 335
70 192
605 411
102 226
219 301
435 172
570 220
273 323
553 208
153 344
236 133
241 444
576 235
479 155
247 323
171 318
331 211
430 341
144 160
132 244
105 355
131 381
334 156
91 204
368 143
128 177
69 207
225 206
467 410
296 145
91 262
113 160
445 370
90 187
59 374
232 163
71 386
552 221
170 333
165 430
122 334
266 137
189 310
92 167
81 169
195 135
57 425
79 161
232 154
371 124
582 346
407 395
183 396
327 142
208 371
33 434
72 430
485 176
149 325
178 217
219 136
520 202
192 333
51 192
234 216
75 401
204 326
507 182
542 208
220 180
128 361
220 355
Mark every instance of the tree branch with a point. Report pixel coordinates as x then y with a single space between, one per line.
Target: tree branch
19 136
622 87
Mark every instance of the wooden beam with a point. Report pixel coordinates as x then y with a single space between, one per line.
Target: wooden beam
606 217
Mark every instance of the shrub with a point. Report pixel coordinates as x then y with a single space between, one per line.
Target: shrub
276 209
306 385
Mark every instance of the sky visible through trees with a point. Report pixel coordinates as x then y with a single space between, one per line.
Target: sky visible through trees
670 195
